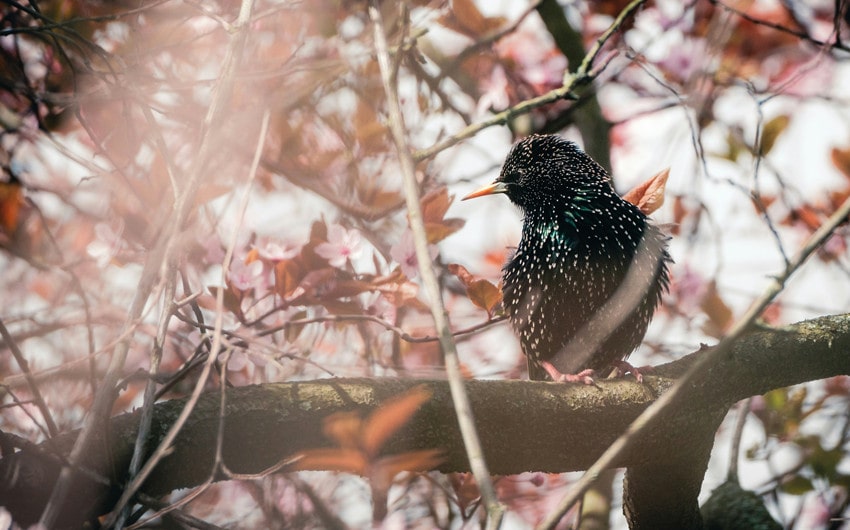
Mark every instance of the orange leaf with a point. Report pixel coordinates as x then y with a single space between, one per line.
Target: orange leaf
437 232
649 195
11 200
287 276
841 159
344 428
481 292
390 417
484 294
424 460
461 272
348 460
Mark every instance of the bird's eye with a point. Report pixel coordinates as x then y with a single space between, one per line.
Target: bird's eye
511 177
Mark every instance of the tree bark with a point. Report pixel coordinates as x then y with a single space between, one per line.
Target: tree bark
525 426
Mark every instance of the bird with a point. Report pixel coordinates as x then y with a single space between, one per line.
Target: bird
581 242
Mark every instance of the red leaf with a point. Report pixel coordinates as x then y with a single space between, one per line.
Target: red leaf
11 200
390 417
649 195
349 460
481 292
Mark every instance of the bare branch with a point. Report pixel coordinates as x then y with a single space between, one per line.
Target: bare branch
463 410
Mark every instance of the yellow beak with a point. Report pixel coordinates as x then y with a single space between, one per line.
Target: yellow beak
490 189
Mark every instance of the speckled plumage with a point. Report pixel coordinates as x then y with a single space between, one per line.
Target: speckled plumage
578 240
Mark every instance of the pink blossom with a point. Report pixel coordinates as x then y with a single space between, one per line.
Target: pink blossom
341 246
107 244
271 250
404 253
494 91
246 276
690 287
535 57
684 59
815 513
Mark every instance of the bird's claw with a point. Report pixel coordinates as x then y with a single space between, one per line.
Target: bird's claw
624 368
584 377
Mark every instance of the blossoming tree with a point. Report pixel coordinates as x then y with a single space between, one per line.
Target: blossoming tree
233 263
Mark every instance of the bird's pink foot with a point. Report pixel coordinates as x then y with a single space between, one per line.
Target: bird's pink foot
624 368
585 376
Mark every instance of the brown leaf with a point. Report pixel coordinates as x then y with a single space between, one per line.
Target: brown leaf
649 195
288 274
390 417
232 299
772 130
348 460
481 292
465 18
484 294
841 160
435 204
461 272
719 314
437 232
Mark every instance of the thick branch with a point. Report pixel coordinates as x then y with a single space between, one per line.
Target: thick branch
525 425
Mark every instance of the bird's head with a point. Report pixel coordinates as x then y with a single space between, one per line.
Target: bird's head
546 171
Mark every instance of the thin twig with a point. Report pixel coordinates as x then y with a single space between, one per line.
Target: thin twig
492 37
402 334
25 369
647 418
779 27
463 410
165 445
140 447
214 115
583 75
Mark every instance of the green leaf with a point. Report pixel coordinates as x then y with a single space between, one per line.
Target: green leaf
771 132
797 485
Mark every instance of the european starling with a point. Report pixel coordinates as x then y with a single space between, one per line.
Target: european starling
579 241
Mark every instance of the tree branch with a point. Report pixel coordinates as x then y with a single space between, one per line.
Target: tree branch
526 425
